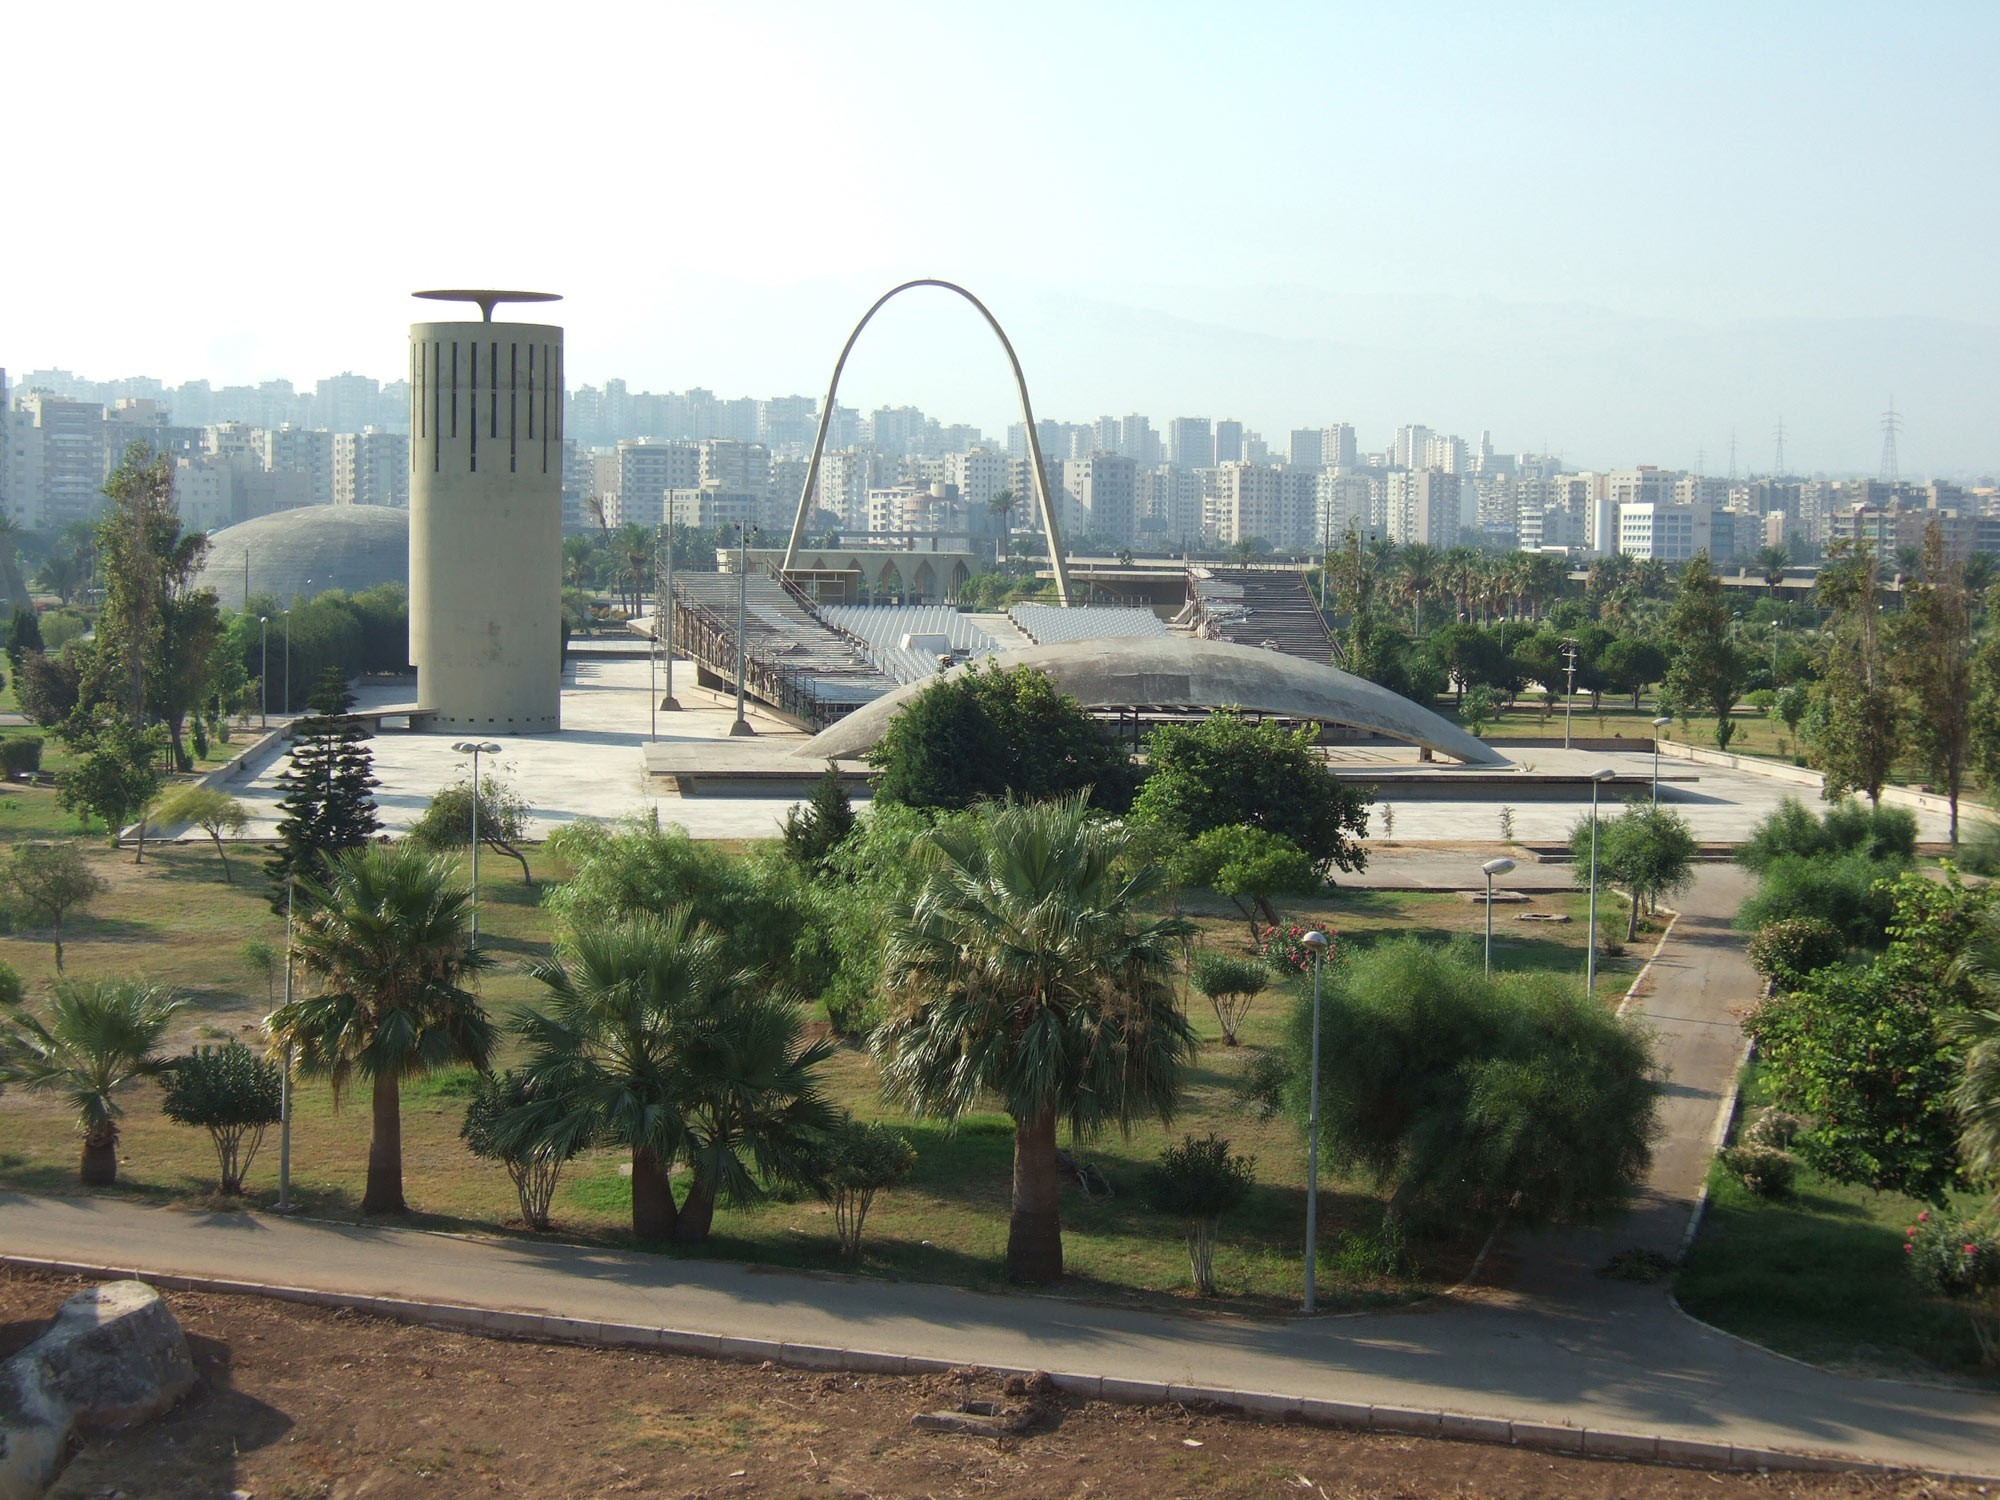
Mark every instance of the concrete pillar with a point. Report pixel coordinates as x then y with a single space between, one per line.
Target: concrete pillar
486 451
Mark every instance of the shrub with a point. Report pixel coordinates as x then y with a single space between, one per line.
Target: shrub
20 755
1378 1254
535 1168
11 990
1198 1182
1468 1096
1952 1257
1230 984
1286 950
813 830
1886 833
1763 1170
1980 852
1850 892
1787 950
855 1163
231 1093
1775 1128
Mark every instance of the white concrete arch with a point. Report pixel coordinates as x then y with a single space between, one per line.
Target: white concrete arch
1042 499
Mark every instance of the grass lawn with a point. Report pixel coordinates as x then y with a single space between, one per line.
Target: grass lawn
174 922
1821 1276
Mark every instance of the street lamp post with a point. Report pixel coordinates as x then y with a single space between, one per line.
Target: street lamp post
287 612
284 1204
1659 724
743 530
1569 694
475 748
264 673
1316 941
1597 779
665 601
1491 868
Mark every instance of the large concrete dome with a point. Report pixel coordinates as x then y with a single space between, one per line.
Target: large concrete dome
308 551
1183 674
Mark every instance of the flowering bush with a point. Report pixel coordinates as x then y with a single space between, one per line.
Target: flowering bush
1952 1257
1285 948
1765 1170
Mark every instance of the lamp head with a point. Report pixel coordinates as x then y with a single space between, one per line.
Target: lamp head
1315 940
1604 774
1662 722
1494 867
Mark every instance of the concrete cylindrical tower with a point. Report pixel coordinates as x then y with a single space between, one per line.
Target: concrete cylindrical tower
486 460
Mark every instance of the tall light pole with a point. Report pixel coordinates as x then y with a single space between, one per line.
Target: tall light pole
1659 725
284 1204
475 748
666 602
264 673
1597 779
1569 695
743 530
287 613
1316 941
1491 868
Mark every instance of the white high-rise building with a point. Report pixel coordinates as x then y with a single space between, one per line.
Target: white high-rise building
643 470
1423 507
1104 490
1411 445
373 468
307 451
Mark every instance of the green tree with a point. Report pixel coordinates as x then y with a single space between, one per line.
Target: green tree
384 942
813 831
1930 659
1249 865
1853 724
1985 709
46 882
48 689
116 772
1227 770
535 1167
1229 984
503 821
1867 1052
1975 1094
100 1036
1023 970
1771 563
1631 664
988 733
653 1041
1648 850
213 811
23 635
328 804
1419 565
234 1095
1466 1097
1198 1182
1704 673
855 1163
1476 708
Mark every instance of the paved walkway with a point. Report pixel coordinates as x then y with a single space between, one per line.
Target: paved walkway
1550 1343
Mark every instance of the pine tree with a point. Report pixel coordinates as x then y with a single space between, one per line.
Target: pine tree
328 804
814 831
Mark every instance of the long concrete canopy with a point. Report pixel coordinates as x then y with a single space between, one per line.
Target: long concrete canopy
1180 673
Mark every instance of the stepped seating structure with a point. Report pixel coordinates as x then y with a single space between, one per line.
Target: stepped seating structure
1046 625
793 661
1265 607
879 631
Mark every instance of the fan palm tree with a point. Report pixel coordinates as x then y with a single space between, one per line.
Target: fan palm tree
385 940
1977 1096
1420 563
1772 562
652 1041
100 1036
1022 969
1002 505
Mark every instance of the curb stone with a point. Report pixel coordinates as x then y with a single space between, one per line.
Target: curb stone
1419 1421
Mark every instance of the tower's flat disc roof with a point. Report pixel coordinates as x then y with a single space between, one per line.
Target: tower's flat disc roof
486 297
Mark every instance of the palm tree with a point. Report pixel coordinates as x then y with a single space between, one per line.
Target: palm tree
1420 562
384 939
654 1042
1002 505
1772 562
100 1036
1022 969
1977 1096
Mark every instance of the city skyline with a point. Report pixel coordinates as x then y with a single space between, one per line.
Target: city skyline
1615 234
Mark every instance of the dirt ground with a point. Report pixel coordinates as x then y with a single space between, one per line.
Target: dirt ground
297 1404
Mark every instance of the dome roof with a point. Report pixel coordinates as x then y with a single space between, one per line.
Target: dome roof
308 551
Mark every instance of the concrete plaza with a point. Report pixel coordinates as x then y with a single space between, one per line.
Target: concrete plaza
594 769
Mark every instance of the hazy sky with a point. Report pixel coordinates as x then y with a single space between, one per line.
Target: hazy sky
1620 231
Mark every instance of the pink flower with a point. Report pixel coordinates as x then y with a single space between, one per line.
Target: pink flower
1971 1249
1909 1249
1924 1217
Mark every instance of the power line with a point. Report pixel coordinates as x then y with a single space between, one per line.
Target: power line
1779 471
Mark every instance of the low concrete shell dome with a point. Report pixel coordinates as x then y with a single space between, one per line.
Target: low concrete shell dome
348 547
1180 673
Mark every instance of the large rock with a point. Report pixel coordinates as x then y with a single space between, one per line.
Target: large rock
114 1356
